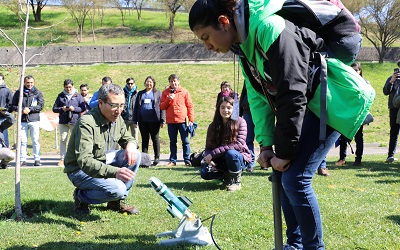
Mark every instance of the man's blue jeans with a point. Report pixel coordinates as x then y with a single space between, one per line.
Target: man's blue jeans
299 203
100 190
173 139
232 161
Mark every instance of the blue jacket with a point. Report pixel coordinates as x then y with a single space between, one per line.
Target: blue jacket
69 117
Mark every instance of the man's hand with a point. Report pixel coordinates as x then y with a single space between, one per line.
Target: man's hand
263 158
26 111
125 174
208 159
171 96
130 153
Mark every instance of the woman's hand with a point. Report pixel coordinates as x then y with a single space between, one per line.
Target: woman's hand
280 165
208 159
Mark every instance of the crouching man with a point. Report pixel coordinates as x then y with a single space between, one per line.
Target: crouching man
99 172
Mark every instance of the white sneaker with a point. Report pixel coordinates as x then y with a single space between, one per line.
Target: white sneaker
390 159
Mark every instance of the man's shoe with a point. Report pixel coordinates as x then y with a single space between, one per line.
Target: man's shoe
4 166
340 163
390 159
156 161
356 163
79 206
122 207
323 171
37 163
23 164
188 164
171 164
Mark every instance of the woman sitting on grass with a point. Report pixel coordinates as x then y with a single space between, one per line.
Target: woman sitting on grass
226 152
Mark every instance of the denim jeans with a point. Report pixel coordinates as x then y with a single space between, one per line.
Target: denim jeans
250 137
299 202
232 161
100 190
173 139
65 130
34 130
394 132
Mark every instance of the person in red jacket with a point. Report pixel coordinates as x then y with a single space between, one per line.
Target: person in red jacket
177 103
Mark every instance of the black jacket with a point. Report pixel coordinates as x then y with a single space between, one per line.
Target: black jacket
32 99
156 106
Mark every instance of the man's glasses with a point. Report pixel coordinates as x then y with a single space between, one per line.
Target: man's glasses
115 106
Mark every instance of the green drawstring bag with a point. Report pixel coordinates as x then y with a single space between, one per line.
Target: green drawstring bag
348 98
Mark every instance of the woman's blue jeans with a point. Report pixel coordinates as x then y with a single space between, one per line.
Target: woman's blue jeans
232 161
100 190
299 202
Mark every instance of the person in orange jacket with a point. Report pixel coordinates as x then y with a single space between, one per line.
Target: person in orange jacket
177 103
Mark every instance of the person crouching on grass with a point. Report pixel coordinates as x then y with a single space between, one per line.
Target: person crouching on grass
226 152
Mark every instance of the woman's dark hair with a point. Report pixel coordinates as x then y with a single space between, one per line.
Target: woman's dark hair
205 13
154 82
223 134
357 66
225 83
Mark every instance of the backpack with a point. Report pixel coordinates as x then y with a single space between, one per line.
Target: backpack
331 20
196 158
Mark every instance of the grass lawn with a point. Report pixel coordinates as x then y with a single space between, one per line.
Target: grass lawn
359 206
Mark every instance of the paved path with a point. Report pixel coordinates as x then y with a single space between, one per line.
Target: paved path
51 160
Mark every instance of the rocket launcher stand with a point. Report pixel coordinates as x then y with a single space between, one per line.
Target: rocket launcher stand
276 200
188 231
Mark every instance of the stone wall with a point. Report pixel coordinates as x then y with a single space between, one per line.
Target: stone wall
65 55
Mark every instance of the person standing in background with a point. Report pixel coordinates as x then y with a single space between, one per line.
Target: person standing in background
130 91
6 97
69 105
150 118
94 101
178 106
85 95
390 88
226 90
32 104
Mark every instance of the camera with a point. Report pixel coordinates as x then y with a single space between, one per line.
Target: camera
172 91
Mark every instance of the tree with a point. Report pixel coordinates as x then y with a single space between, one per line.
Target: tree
37 13
79 10
119 5
172 6
380 23
138 5
24 10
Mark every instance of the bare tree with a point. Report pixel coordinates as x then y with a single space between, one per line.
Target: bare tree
380 23
37 13
24 10
79 10
172 6
119 5
13 5
138 5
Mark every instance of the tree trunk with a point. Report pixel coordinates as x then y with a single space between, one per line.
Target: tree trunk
172 27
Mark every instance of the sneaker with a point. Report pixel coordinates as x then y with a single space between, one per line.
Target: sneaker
323 171
79 206
122 207
356 163
234 187
288 247
171 164
188 164
61 163
4 166
23 164
340 163
37 163
390 159
156 161
250 169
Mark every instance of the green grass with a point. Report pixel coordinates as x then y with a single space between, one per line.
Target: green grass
359 206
